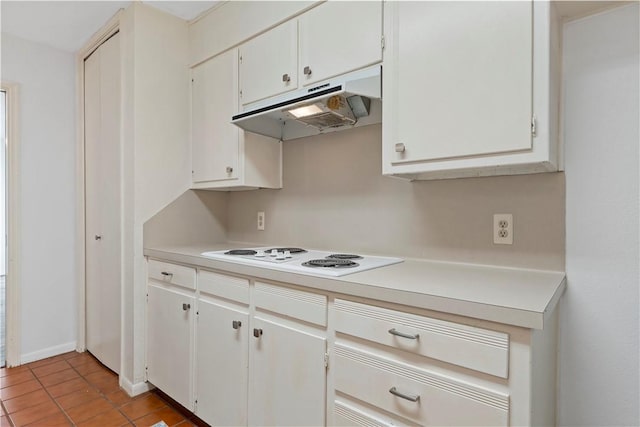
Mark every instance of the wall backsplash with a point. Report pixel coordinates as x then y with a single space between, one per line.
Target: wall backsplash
335 198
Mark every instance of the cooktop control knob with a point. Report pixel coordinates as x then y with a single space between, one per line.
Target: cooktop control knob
260 254
274 252
280 256
287 254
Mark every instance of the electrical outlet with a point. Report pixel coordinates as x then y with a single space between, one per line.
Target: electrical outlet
260 220
503 229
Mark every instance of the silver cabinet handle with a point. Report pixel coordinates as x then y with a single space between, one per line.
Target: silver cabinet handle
229 169
393 331
286 78
186 307
412 398
236 324
307 71
98 237
257 332
400 147
166 274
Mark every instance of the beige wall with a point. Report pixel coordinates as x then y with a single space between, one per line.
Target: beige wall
335 198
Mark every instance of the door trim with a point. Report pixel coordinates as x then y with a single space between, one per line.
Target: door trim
14 225
109 29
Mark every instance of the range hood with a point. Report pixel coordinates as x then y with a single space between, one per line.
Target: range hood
343 102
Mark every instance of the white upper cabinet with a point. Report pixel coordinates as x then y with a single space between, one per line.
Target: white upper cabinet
214 101
269 63
466 89
337 37
223 156
331 39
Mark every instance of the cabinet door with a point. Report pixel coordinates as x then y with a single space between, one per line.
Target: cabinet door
170 342
214 140
268 63
458 79
222 363
288 376
339 36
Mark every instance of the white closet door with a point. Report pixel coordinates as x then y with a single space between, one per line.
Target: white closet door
102 202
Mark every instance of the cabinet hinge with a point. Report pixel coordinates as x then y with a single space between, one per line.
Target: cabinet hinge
533 126
241 59
195 406
382 42
146 373
326 360
147 297
240 93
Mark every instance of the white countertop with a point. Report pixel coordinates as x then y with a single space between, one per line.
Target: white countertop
520 297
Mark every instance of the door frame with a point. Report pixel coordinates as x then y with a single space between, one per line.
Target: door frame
109 29
13 224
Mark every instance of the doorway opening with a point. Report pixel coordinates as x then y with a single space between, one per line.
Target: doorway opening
3 227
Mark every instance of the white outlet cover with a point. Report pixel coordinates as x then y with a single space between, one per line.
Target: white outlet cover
503 229
261 220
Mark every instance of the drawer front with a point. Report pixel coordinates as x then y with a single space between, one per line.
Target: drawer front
294 303
439 400
347 415
222 285
172 273
474 348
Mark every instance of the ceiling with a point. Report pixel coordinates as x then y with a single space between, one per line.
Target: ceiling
67 25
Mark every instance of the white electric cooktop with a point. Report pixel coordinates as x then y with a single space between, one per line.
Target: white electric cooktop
303 261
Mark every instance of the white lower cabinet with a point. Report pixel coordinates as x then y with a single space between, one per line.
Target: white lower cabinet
275 354
288 376
391 367
222 360
170 320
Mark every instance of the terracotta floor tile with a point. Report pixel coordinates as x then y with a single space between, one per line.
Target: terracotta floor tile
88 367
59 377
77 398
10 371
70 355
59 420
26 400
19 389
43 362
166 414
100 376
4 422
16 378
89 410
119 397
35 413
110 418
67 387
80 359
51 368
141 407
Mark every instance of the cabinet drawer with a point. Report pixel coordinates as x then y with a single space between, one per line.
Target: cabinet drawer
347 415
229 287
298 304
474 348
172 273
430 398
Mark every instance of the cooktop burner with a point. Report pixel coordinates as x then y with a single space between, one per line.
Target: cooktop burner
344 256
241 252
291 250
330 263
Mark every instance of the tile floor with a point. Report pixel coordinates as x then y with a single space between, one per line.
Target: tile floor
74 389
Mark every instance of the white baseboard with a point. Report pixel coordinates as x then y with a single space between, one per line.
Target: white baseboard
134 389
47 352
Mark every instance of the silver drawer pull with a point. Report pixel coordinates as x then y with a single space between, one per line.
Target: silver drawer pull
412 398
400 148
166 274
257 332
393 331
307 71
186 307
236 324
286 78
